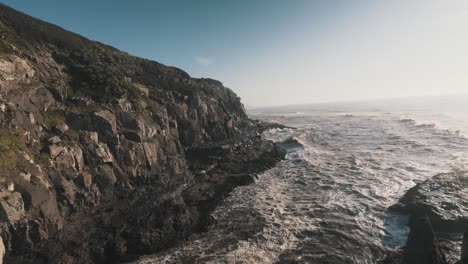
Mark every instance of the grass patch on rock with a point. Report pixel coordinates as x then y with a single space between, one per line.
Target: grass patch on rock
12 142
53 118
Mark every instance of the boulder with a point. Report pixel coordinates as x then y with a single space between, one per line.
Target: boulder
103 152
95 151
42 99
142 89
55 151
32 170
69 157
60 129
54 140
106 176
102 122
12 208
105 122
37 202
443 198
14 69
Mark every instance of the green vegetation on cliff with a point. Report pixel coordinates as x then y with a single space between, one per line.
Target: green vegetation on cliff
11 144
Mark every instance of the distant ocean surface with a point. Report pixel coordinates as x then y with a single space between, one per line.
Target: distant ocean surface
328 201
450 112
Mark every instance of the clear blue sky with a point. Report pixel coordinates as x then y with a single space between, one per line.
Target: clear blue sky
274 52
190 34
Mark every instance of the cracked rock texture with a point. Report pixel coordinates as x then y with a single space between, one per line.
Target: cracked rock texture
106 156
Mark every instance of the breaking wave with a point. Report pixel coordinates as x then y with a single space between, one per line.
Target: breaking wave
328 201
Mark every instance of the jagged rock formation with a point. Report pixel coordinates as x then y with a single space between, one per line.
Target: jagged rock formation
106 156
443 198
436 205
422 246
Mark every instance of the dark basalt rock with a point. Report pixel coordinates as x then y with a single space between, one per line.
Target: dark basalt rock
422 246
222 166
464 250
436 205
106 156
443 198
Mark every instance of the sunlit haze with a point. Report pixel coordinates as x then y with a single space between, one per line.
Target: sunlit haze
286 52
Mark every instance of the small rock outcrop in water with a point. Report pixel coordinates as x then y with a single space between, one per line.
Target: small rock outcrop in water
443 198
106 156
438 204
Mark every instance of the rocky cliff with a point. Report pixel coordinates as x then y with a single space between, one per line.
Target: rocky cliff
106 156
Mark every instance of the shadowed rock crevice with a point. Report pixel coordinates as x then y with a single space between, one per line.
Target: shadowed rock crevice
422 246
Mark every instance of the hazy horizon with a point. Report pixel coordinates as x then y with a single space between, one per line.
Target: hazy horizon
433 97
277 53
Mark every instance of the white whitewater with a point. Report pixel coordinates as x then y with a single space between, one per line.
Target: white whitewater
328 201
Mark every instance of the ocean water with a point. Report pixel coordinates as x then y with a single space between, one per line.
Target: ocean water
328 201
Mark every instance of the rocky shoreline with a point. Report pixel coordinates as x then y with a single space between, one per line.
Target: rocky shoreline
106 156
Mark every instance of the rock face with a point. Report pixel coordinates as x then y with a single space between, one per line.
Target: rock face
437 205
443 198
422 246
464 251
106 156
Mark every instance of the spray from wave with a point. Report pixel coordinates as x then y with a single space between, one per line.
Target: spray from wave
328 201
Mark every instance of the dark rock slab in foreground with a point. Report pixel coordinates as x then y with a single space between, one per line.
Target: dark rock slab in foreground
440 205
443 198
422 246
222 166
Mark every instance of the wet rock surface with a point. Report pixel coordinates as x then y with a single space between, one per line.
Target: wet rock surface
438 215
443 199
106 156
